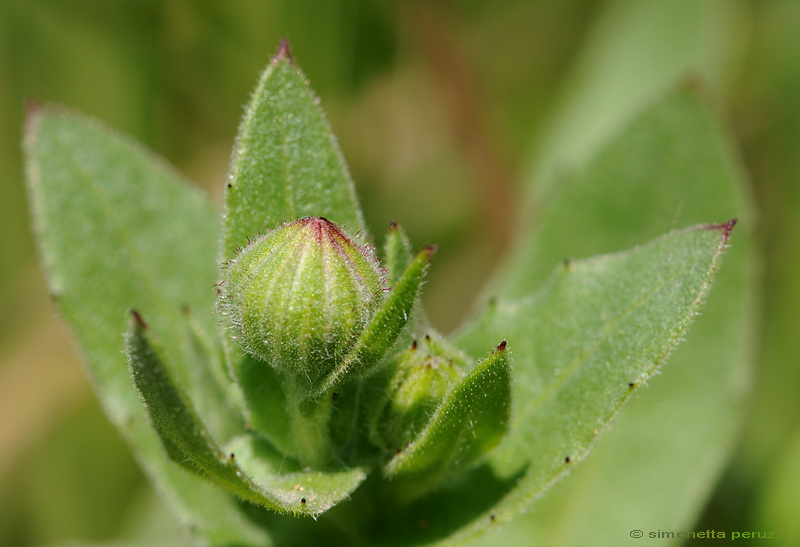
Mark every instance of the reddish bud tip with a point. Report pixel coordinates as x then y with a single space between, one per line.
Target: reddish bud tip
393 226
502 346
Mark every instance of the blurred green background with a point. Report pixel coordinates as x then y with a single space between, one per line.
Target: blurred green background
448 113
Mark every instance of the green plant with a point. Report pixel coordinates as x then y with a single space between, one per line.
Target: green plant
364 417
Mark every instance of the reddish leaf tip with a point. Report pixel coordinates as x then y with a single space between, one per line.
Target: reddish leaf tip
137 320
393 226
32 109
726 227
32 106
430 250
501 346
284 51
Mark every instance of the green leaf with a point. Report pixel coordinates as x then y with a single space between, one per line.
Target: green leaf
468 423
397 253
286 164
583 344
777 507
267 406
214 394
673 165
188 443
635 52
117 229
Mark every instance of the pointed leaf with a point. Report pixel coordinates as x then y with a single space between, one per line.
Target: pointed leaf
286 164
118 229
397 253
673 166
597 330
188 443
468 423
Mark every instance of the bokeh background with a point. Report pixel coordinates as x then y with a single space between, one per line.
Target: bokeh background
443 110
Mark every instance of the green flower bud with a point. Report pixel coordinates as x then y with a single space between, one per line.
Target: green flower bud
425 374
299 296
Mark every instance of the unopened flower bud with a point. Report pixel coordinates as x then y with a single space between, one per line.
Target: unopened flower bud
299 296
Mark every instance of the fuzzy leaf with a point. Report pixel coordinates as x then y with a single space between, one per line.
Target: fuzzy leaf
597 330
673 165
397 253
116 230
189 443
468 423
286 164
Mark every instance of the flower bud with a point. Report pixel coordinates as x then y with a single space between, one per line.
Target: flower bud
425 374
299 296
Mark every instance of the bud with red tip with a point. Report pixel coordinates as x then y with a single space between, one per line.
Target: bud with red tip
299 297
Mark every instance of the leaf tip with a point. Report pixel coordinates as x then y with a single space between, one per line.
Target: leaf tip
501 346
393 226
32 106
284 51
430 250
725 227
138 321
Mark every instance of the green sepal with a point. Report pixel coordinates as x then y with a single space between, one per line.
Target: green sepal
470 421
385 326
188 442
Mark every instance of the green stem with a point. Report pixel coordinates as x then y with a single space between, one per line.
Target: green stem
309 422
